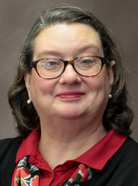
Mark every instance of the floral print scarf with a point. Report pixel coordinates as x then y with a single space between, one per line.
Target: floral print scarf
28 175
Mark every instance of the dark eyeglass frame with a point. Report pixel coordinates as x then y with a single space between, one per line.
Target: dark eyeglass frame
66 62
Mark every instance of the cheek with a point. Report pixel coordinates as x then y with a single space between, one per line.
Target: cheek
99 88
40 87
98 84
104 80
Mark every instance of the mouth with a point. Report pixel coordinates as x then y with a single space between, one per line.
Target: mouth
70 95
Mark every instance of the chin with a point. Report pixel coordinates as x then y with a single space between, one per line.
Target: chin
69 114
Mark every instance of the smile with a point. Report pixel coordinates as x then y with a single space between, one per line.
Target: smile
70 95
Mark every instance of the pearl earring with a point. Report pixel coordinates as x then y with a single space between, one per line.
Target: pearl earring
110 96
28 101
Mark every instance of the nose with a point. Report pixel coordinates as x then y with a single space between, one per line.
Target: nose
69 76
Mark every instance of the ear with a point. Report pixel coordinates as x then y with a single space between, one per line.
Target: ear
27 79
111 74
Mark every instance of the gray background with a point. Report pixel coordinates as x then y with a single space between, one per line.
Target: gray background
17 17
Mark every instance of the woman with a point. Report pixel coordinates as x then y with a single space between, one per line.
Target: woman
70 102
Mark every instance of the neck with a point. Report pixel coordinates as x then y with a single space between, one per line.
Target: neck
61 141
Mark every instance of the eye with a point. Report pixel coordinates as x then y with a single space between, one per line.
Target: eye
49 62
87 62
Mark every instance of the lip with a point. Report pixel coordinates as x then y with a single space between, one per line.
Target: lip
70 95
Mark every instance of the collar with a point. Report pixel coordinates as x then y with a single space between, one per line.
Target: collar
96 157
28 145
101 152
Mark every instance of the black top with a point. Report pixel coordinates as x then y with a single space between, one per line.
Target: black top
120 170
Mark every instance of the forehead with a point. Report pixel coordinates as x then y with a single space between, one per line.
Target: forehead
67 38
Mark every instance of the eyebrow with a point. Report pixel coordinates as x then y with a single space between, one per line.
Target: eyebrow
94 48
48 52
89 46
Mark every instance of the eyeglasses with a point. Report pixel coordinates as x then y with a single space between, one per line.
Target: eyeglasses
50 68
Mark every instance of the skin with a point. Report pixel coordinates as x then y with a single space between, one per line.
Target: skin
71 106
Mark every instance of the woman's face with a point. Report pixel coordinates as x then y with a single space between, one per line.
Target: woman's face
71 95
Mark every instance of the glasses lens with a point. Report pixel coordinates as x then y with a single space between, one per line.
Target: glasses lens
88 66
50 68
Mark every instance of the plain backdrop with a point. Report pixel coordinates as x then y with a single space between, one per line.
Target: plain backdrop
16 19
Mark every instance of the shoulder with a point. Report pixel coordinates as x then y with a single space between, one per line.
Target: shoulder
129 156
130 148
121 169
7 145
9 141
124 164
8 150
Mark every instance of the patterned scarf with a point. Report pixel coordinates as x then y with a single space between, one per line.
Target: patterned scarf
28 175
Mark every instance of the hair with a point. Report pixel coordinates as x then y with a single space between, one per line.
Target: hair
118 114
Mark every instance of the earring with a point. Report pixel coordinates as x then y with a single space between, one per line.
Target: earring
29 101
110 96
